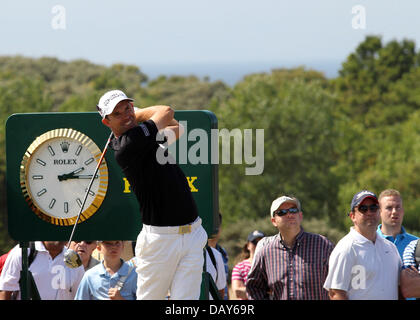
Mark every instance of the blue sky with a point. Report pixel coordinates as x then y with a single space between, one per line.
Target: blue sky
196 36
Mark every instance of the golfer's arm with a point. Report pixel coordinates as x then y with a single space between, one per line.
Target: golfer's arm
144 114
336 294
173 131
163 117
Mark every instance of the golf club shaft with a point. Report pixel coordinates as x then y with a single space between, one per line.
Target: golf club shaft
90 186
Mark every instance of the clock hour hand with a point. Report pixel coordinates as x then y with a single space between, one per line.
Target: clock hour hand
66 176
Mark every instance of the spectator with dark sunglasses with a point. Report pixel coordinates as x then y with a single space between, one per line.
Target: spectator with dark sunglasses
363 265
84 249
293 264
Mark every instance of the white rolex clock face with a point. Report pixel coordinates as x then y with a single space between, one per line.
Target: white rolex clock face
55 174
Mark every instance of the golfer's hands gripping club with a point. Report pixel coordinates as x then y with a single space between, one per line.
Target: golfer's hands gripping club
72 259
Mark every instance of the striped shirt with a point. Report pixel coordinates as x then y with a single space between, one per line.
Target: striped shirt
409 256
240 271
282 273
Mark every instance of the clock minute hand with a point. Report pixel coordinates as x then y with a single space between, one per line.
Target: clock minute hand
82 176
66 176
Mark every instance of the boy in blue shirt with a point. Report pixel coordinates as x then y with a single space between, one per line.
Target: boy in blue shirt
112 279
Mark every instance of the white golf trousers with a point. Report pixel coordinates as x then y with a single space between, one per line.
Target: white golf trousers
168 260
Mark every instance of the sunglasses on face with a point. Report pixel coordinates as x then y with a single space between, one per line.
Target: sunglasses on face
364 208
283 212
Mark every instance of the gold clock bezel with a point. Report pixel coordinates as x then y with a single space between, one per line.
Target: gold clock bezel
103 175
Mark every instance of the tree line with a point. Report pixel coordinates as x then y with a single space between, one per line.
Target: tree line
325 139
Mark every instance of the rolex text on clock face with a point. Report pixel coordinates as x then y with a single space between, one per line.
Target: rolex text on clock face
57 169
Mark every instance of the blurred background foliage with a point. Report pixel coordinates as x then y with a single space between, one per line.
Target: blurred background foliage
324 139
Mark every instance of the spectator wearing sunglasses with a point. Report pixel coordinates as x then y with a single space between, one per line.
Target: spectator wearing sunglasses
293 264
363 265
392 214
84 249
241 269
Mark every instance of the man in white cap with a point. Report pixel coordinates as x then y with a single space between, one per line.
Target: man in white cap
293 264
169 248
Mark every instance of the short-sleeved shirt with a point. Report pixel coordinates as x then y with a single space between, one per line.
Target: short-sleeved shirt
409 256
97 281
54 280
365 270
3 260
401 240
240 271
162 190
92 262
218 275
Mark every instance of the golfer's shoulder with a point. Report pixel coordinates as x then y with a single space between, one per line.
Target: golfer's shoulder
127 143
140 134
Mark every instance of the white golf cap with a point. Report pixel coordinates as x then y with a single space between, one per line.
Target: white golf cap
279 201
109 100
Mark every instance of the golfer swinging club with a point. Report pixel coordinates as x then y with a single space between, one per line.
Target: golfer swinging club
169 248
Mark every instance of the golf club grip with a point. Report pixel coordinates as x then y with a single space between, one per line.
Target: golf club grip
90 186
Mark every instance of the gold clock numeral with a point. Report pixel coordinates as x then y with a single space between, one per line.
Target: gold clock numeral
79 202
41 192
